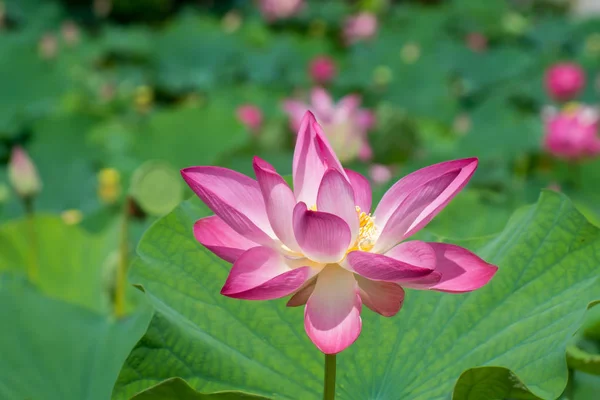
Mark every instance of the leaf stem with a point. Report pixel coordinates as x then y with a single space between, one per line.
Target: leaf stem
121 276
33 270
329 383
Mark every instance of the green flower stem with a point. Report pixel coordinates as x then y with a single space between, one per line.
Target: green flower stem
121 278
329 384
33 270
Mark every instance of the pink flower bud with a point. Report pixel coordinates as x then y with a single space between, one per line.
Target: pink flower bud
322 69
250 116
477 42
22 174
572 133
564 81
360 27
279 9
48 46
70 33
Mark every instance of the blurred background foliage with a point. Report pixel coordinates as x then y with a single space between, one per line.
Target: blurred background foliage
111 97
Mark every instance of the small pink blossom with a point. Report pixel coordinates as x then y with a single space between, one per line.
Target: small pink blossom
564 81
359 27
251 116
572 133
23 174
477 42
70 33
273 10
320 243
345 123
48 46
380 174
322 69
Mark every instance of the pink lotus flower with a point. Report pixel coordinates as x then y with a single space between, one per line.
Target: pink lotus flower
345 123
572 133
23 174
320 243
359 27
251 116
380 174
564 81
322 69
279 9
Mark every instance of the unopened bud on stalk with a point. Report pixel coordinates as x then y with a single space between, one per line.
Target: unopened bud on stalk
23 174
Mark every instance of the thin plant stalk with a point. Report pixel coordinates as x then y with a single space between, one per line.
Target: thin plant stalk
33 270
329 383
121 275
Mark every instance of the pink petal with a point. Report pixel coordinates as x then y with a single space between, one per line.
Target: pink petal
295 110
385 298
365 119
218 237
422 199
461 270
420 254
401 189
362 190
336 196
379 267
262 273
312 157
303 294
279 200
332 314
323 237
347 107
322 103
235 198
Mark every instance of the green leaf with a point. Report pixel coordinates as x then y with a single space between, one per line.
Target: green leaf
191 136
53 350
548 257
179 389
490 383
72 263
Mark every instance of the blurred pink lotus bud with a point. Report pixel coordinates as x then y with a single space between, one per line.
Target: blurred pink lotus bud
359 27
48 46
564 81
250 116
22 174
322 69
380 174
572 133
273 10
70 32
477 42
345 124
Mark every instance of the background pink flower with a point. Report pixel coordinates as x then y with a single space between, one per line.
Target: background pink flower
251 116
319 242
380 174
572 133
564 81
358 27
322 69
279 9
346 125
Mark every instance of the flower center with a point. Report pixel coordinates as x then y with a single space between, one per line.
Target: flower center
367 232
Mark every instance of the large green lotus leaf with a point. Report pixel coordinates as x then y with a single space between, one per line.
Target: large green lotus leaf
73 264
191 135
177 388
54 350
549 258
